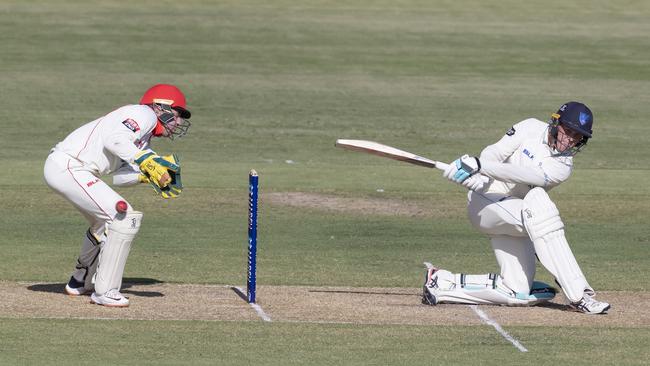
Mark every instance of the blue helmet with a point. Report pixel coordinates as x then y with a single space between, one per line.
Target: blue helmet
576 117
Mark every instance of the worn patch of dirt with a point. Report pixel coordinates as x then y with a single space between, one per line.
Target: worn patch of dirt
367 206
161 301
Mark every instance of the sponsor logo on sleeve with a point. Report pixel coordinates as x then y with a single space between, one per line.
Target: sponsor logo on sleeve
511 131
131 125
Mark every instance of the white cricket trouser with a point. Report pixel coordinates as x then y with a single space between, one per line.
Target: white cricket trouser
499 216
90 195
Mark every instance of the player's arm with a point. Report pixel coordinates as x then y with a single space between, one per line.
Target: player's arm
163 173
498 152
548 174
491 163
545 176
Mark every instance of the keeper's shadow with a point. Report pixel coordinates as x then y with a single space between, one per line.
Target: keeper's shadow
127 283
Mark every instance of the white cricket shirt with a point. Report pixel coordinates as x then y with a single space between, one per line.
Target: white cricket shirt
522 160
103 145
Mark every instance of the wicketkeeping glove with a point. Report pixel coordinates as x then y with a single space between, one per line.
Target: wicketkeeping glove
154 167
175 186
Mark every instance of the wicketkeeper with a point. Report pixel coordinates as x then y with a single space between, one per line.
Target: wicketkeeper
519 217
116 144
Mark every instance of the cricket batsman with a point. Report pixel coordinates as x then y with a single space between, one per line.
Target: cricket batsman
514 210
116 144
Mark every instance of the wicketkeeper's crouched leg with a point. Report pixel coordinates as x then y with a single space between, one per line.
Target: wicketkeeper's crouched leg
81 279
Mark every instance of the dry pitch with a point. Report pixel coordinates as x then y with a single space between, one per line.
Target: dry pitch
305 304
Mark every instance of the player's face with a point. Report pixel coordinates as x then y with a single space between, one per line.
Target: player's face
173 123
566 138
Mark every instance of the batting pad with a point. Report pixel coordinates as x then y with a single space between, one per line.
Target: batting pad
112 257
545 228
460 288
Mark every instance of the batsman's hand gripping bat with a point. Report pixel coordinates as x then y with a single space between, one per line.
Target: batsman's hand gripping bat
390 152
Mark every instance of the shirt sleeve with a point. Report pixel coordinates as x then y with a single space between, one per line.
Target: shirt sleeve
502 149
125 132
511 173
126 175
121 144
547 175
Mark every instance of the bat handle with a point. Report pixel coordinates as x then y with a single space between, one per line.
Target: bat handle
441 166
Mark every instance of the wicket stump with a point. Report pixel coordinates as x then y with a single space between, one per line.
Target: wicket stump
252 236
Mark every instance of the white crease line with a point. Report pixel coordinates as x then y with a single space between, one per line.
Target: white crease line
496 326
258 309
491 322
260 312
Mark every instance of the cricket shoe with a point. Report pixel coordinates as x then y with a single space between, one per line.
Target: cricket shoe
430 287
591 306
75 288
112 298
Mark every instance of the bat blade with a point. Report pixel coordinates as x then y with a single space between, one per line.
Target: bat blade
375 148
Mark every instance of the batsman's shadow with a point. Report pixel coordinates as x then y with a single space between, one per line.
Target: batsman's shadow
127 284
554 306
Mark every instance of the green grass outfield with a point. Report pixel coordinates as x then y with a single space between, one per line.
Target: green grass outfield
271 86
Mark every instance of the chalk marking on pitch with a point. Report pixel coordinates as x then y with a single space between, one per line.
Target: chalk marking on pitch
258 309
486 319
496 326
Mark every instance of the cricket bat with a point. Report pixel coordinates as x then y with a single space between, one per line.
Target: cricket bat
390 152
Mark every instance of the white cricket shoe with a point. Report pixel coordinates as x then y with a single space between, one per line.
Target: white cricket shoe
430 287
112 298
75 288
591 306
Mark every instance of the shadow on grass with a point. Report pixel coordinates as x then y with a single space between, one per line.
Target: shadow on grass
59 288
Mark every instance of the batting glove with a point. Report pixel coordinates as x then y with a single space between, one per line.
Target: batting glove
462 168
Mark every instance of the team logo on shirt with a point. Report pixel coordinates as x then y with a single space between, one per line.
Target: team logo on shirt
529 154
511 131
131 125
